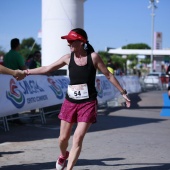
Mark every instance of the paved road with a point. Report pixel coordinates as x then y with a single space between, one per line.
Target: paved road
123 139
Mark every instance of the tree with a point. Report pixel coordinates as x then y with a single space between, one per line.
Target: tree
121 62
104 55
117 60
136 46
133 58
28 46
145 61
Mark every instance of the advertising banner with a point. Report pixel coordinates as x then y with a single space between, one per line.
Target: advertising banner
38 91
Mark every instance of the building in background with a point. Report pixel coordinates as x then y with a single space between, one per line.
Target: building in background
158 40
158 60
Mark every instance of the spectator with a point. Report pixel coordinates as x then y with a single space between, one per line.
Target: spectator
168 73
118 71
35 61
1 60
29 60
110 66
13 60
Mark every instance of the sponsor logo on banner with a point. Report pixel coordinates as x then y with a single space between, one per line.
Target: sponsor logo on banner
20 93
30 89
99 88
15 95
55 88
103 87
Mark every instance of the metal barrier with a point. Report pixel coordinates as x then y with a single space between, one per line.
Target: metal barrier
5 123
41 114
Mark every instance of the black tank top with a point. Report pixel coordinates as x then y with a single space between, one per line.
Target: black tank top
83 75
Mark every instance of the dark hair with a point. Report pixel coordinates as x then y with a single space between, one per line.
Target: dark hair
37 52
15 43
89 49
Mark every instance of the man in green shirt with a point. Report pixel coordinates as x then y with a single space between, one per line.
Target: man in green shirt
13 60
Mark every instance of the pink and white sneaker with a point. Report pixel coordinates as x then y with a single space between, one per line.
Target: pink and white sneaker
61 161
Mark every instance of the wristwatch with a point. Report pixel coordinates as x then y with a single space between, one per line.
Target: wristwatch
123 92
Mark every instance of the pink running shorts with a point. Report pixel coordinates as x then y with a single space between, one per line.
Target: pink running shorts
78 112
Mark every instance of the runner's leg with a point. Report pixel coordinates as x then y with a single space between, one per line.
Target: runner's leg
78 137
65 132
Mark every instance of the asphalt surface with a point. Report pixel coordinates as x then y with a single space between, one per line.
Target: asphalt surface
123 139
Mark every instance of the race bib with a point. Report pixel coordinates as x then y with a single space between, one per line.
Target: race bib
78 91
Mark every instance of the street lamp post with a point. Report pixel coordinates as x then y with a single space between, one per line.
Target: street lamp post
153 7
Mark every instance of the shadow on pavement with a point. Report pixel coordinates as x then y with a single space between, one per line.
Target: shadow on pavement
31 132
105 163
149 166
10 153
105 122
114 122
33 166
96 162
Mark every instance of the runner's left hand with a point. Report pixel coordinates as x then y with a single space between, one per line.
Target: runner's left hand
125 96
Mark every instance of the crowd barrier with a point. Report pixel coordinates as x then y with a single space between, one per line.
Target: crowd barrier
39 91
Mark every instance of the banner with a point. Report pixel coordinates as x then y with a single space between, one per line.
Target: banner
38 91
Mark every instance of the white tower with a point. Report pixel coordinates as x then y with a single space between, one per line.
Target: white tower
58 18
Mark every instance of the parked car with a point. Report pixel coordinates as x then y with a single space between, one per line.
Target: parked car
155 80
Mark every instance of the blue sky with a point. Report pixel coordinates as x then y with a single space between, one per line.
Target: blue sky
112 24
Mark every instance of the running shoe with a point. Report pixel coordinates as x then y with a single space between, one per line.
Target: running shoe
61 161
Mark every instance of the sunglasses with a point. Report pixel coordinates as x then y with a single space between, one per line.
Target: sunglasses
70 41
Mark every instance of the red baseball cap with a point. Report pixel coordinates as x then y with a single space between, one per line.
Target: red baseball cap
74 36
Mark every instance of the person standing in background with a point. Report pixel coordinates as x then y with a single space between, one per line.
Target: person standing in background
13 60
29 60
1 60
110 66
168 73
35 61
